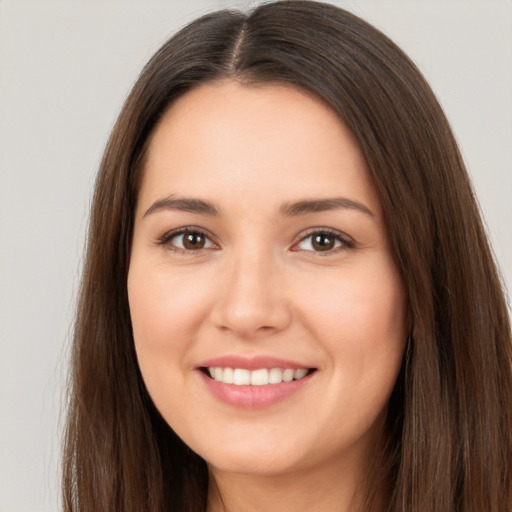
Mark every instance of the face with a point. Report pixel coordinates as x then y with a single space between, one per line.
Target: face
268 314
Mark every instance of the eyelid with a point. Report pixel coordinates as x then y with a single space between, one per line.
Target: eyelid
166 238
346 241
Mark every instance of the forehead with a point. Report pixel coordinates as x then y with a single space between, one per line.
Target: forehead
259 142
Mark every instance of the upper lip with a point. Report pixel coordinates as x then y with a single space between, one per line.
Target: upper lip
251 363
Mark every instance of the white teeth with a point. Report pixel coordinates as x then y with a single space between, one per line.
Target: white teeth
275 376
241 377
227 377
298 374
260 377
288 375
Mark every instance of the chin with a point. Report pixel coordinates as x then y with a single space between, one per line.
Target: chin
257 457
247 463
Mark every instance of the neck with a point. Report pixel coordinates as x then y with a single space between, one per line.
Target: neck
329 489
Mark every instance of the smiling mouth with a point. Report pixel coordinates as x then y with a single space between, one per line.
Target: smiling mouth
258 377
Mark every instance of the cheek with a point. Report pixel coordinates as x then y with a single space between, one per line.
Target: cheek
166 312
361 303
359 317
162 306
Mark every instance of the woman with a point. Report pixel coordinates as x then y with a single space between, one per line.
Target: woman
288 299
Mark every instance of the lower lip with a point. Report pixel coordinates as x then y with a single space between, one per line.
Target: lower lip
253 397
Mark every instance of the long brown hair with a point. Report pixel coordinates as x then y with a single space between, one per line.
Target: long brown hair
449 440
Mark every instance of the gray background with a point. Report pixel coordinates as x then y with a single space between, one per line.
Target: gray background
65 68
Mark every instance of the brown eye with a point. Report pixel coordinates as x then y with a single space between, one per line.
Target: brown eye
186 240
193 241
323 242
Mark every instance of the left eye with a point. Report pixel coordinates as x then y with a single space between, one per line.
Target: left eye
322 241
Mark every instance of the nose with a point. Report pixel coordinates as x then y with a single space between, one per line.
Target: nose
253 302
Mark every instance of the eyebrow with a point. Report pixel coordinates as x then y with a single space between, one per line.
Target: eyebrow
295 209
183 204
322 205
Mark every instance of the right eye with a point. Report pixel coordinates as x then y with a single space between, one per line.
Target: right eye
187 240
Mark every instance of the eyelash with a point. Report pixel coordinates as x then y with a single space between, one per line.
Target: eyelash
165 240
345 241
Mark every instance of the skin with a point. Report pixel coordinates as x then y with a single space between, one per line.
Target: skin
260 286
